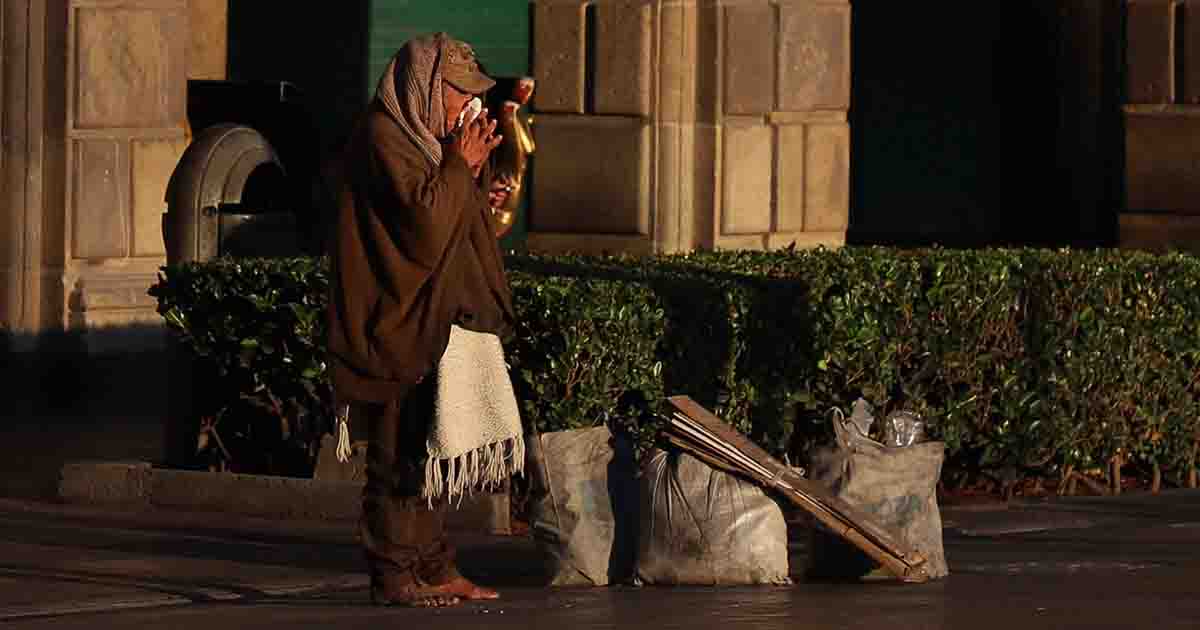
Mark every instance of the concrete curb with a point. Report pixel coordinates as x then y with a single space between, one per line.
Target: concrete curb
283 498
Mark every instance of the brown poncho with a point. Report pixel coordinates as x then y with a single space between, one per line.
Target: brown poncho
414 250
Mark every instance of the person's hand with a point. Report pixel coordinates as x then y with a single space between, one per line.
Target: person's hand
500 191
475 141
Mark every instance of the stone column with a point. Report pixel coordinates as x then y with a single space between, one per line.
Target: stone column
32 101
671 125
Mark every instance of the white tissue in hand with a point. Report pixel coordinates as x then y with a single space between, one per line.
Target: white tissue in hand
470 112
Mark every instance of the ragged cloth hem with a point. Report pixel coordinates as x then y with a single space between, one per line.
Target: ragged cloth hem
483 469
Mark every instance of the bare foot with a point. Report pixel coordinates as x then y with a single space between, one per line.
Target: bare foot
466 589
416 597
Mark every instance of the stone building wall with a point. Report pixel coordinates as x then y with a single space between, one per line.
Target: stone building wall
1162 125
670 125
95 99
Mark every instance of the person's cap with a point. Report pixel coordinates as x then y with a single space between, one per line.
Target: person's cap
461 68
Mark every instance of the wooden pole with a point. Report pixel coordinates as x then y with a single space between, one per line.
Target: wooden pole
1192 477
1115 477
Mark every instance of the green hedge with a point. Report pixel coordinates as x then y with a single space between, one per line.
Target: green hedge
1026 361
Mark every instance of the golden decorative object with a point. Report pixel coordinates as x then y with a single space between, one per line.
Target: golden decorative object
512 156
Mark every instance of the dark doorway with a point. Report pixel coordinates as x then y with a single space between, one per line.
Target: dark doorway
320 48
977 125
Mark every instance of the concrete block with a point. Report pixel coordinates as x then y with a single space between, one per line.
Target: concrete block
790 160
132 66
747 159
1150 68
109 305
592 175
209 26
99 482
256 495
1189 15
304 499
559 56
1160 232
623 72
153 163
101 218
1163 162
116 291
814 56
750 32
826 177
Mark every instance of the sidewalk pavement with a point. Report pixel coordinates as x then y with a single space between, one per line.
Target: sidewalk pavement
56 409
1125 562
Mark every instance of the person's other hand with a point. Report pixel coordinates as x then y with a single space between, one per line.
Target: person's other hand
475 142
500 191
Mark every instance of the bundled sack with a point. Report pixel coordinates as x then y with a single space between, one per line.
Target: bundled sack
702 526
896 485
584 502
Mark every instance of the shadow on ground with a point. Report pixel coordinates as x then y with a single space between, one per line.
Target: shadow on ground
74 397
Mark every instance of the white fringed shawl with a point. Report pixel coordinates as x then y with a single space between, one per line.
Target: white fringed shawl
475 440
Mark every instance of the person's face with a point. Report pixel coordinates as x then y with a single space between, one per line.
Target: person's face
455 101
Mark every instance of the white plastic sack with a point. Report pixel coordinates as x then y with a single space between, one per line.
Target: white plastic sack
701 526
583 512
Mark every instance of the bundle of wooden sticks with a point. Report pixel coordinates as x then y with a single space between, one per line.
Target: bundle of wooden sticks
695 430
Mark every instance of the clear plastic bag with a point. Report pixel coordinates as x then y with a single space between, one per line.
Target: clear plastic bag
903 429
861 417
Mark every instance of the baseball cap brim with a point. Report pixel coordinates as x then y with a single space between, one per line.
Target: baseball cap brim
470 82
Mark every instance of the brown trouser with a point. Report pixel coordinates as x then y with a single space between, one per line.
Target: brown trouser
403 538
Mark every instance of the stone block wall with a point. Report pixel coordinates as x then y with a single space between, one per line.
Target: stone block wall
1162 125
672 125
97 93
125 131
208 56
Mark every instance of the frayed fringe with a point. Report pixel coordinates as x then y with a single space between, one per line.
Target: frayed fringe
485 468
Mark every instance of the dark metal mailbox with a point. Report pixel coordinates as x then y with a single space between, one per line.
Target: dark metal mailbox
224 198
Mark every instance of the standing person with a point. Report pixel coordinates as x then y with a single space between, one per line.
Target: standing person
417 276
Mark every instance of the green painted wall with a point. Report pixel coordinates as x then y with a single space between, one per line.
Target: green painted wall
497 29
